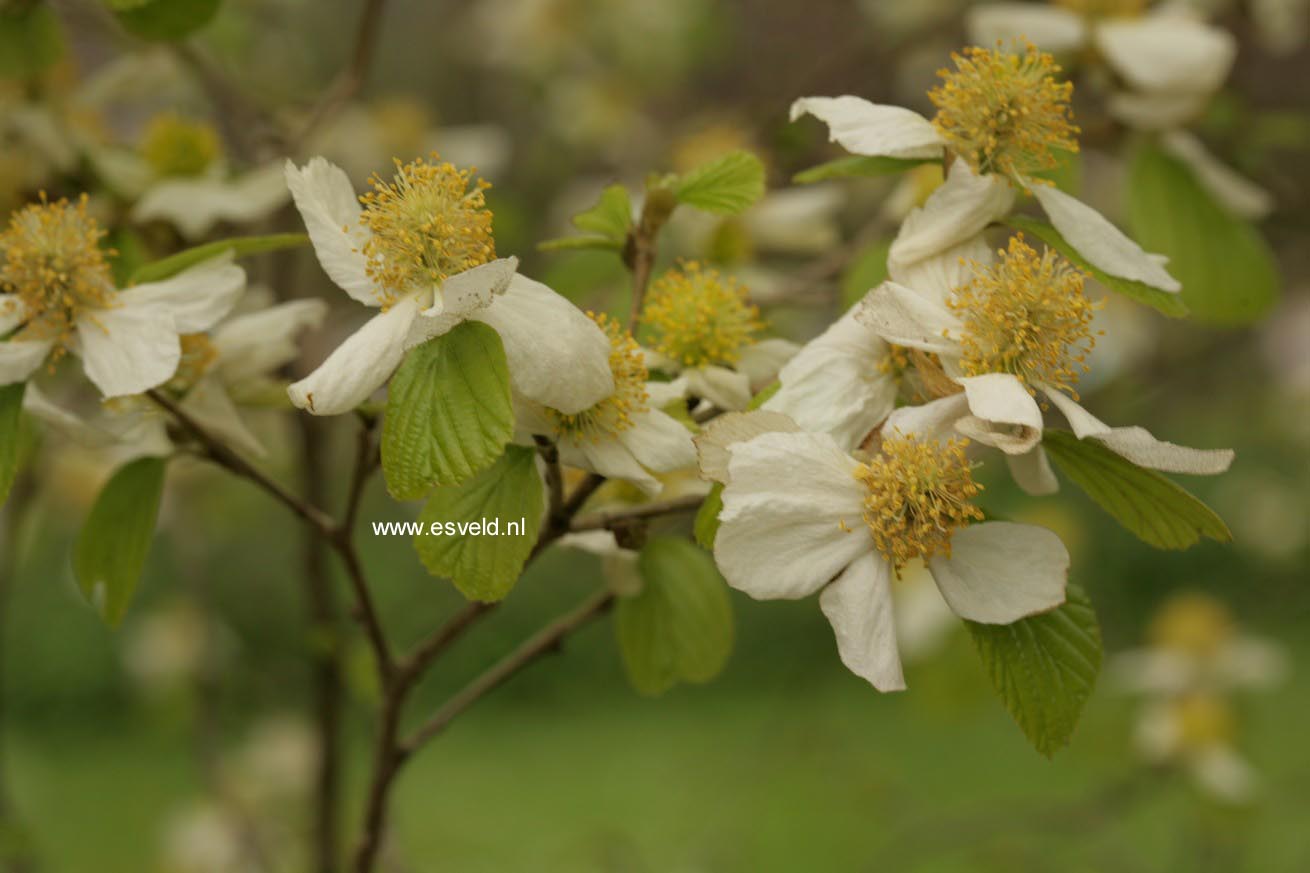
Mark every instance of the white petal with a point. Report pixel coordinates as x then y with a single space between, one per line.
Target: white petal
1084 424
661 394
331 213
713 444
1050 28
792 515
1100 242
197 298
128 349
1241 196
360 365
473 289
12 312
726 389
1156 110
961 208
1000 572
209 404
1005 415
63 422
19 360
934 420
1225 775
937 276
901 316
256 344
195 206
761 361
1170 53
609 458
872 129
859 608
1032 472
659 442
838 383
547 338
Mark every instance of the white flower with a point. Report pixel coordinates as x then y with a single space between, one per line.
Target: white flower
801 516
128 339
421 252
625 435
1003 362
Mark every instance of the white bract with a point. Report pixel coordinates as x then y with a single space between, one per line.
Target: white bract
420 251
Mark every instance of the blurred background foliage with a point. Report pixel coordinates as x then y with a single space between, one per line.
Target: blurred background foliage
123 748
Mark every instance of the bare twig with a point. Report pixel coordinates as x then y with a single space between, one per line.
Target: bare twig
639 252
615 517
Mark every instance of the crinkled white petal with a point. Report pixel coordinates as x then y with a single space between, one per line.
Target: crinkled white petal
937 276
999 572
904 317
195 206
20 359
360 365
858 605
12 312
1100 242
838 383
473 289
557 355
1164 52
964 205
659 442
197 298
609 458
1240 195
872 129
209 404
1050 28
792 515
713 444
256 344
726 389
1005 415
761 361
128 349
1032 472
934 420
331 212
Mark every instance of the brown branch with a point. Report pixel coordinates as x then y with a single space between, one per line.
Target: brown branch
640 250
617 517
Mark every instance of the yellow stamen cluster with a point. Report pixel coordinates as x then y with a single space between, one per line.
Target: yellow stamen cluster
700 317
1195 624
919 495
1026 315
1004 112
52 261
198 355
613 415
427 224
174 146
1105 8
1204 719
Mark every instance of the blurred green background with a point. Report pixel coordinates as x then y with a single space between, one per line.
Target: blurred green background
114 739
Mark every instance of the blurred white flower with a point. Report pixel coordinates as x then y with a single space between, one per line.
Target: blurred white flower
276 762
175 645
204 839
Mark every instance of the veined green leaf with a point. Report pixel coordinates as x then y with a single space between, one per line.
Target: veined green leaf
706 526
241 246
1170 304
483 566
11 407
448 411
1228 271
574 243
611 217
164 20
112 546
1155 509
1044 667
679 626
31 40
724 186
859 165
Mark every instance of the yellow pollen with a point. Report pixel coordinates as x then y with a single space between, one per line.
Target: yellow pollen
52 261
1105 8
198 355
427 224
699 316
1203 720
919 495
1004 112
1026 315
1194 624
613 415
174 146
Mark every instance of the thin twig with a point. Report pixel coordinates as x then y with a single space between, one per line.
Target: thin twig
615 517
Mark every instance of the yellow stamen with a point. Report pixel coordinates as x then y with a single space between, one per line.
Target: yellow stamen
1204 720
198 355
1004 112
1026 315
613 415
919 495
428 224
174 146
700 317
1195 624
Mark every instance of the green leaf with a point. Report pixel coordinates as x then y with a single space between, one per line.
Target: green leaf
1155 509
31 40
11 405
111 547
765 393
706 526
484 566
859 165
241 246
724 186
1044 667
1170 304
679 626
1228 271
611 217
448 411
164 20
574 243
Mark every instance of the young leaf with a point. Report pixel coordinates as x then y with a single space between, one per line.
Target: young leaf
858 165
1228 271
724 186
679 626
11 404
1152 507
706 526
483 566
31 40
448 411
1044 667
611 217
242 246
111 547
1170 304
163 20
575 243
